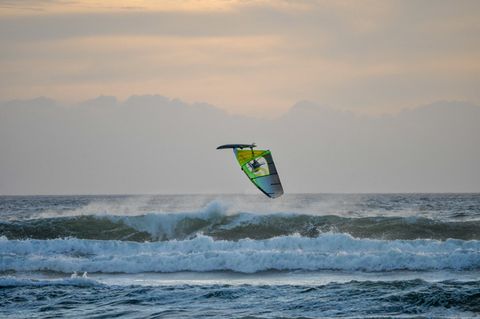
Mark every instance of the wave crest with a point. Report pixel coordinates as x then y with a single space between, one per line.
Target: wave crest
203 253
214 221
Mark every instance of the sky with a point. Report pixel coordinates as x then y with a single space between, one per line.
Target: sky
151 144
246 57
134 96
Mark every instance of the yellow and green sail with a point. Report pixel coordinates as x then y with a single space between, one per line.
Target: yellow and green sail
259 167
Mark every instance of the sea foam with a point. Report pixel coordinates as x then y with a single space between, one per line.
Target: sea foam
203 253
217 222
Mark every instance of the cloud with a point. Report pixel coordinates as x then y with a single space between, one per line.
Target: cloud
153 144
254 56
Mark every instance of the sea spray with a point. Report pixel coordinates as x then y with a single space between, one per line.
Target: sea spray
217 222
304 255
203 253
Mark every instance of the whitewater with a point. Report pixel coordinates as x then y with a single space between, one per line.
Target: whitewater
312 255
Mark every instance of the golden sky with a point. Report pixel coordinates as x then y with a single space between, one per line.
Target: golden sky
247 57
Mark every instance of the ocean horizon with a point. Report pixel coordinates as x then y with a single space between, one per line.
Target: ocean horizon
228 255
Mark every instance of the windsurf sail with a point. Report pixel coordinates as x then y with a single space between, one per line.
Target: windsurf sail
259 167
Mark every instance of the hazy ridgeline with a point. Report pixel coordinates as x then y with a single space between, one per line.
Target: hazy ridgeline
151 144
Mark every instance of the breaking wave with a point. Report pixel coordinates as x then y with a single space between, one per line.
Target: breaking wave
215 222
203 253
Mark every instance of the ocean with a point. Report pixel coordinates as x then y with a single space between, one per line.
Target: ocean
240 256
